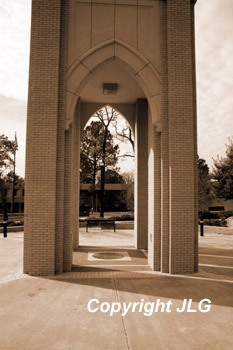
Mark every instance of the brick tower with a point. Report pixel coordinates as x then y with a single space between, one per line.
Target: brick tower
147 48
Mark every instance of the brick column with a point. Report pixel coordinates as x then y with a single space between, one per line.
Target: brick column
41 150
76 176
67 234
164 141
195 138
141 174
182 134
154 200
61 139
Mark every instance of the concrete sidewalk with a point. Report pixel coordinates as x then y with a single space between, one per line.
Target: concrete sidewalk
51 313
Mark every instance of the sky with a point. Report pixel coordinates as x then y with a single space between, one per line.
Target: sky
214 69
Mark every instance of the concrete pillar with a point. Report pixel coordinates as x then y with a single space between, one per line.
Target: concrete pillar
182 137
41 151
141 174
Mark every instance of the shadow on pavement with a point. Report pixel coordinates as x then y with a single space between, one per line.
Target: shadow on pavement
135 277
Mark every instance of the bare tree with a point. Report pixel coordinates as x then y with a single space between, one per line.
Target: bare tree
109 118
106 116
125 135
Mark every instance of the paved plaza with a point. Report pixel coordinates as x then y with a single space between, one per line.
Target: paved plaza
51 313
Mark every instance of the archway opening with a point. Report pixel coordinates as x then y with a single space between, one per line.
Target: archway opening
130 101
107 170
106 202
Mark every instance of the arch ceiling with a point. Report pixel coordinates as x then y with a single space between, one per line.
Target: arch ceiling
113 62
111 72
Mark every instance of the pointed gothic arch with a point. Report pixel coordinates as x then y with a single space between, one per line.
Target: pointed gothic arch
140 68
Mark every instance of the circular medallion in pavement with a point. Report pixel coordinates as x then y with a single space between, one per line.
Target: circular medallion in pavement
108 256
